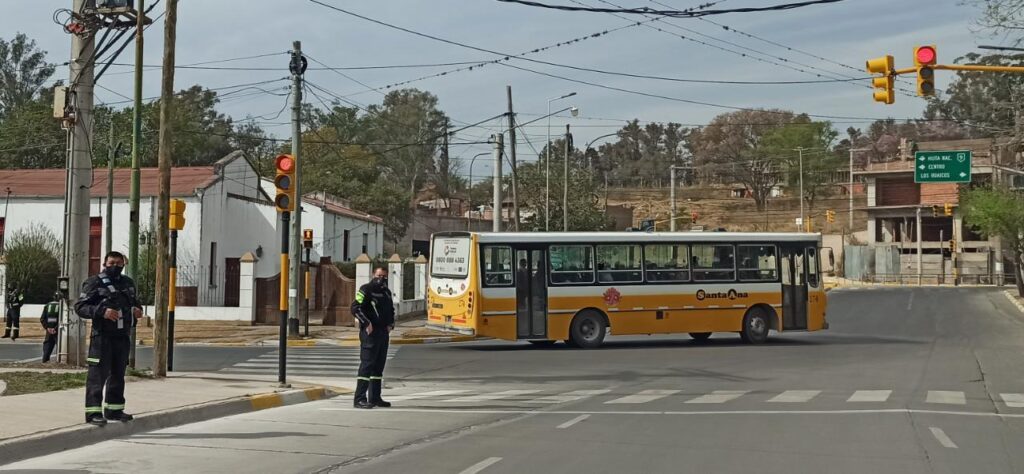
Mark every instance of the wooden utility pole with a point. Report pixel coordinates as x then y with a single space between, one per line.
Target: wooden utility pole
133 200
109 217
515 170
164 199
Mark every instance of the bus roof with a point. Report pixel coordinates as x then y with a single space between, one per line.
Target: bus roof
557 237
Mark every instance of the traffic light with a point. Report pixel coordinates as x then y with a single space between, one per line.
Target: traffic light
935 211
830 216
952 246
884 85
285 183
693 217
924 60
176 220
948 210
307 238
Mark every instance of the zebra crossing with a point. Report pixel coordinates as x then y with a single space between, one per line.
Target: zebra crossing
320 361
859 398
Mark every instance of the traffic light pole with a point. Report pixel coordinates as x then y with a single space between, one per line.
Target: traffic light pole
306 287
172 296
282 346
297 68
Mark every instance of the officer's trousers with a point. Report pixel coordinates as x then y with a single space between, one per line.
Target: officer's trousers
373 354
13 323
108 360
49 344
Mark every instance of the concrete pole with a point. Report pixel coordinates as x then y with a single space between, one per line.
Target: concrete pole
515 170
920 259
547 175
565 181
133 202
108 217
496 210
672 199
164 158
295 284
79 176
849 192
800 152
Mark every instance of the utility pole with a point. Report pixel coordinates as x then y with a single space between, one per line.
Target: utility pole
111 157
133 200
800 152
565 183
515 169
164 200
79 176
672 199
496 210
297 66
919 261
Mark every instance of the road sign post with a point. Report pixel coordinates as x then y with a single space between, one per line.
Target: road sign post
942 167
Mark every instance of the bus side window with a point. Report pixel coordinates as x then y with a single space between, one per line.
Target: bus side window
812 267
667 263
497 266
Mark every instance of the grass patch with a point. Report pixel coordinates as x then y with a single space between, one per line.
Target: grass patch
20 383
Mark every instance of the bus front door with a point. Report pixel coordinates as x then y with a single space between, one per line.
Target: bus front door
531 294
794 288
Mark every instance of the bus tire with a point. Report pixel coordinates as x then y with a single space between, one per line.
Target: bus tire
700 336
587 330
755 326
548 343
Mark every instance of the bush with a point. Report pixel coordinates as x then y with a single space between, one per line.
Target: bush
33 262
145 281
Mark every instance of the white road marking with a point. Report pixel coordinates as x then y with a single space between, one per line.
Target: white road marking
644 396
572 422
946 397
491 396
569 396
941 436
910 302
480 466
1013 400
435 393
870 396
719 396
30 359
904 411
795 396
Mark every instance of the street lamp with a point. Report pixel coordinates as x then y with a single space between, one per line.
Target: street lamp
547 163
469 216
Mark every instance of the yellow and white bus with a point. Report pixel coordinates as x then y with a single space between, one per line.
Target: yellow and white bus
578 286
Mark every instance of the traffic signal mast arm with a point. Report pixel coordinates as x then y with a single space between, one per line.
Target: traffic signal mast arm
963 67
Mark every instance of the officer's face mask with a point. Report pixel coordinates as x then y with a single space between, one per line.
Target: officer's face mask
114 271
381 280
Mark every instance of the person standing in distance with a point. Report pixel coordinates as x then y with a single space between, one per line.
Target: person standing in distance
15 300
50 320
108 299
375 311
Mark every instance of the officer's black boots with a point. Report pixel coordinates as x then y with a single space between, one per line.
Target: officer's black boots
375 390
119 416
7 333
96 419
14 336
360 397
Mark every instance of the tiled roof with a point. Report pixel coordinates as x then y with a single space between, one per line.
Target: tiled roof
51 182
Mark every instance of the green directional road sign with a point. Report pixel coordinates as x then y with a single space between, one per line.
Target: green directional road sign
942 167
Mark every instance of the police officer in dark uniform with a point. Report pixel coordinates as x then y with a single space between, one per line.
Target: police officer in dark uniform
108 299
375 311
15 300
50 320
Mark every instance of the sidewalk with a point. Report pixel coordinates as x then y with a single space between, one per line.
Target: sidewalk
43 423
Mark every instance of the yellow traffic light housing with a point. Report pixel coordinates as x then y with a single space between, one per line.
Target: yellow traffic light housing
925 58
284 181
948 209
885 84
952 246
176 220
935 211
830 216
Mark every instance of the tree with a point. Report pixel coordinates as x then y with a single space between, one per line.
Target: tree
819 163
998 212
30 137
33 262
990 102
23 71
585 213
446 179
641 155
1003 18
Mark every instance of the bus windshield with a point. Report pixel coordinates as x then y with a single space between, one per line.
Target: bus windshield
450 257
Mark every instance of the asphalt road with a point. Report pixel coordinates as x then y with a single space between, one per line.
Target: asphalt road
907 380
189 358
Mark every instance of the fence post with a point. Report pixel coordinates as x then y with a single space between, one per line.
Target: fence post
247 285
421 278
363 271
395 280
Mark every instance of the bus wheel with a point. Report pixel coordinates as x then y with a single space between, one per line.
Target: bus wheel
755 326
587 330
543 343
700 336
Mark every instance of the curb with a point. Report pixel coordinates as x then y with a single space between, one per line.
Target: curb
1013 299
62 439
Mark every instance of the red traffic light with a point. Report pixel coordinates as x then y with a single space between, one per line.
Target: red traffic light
925 55
285 163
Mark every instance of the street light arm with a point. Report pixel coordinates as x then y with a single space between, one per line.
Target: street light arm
521 125
598 138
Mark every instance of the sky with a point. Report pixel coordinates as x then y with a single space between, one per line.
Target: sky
832 40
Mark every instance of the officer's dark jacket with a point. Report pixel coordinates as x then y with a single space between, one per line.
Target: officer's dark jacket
50 318
15 301
373 305
98 296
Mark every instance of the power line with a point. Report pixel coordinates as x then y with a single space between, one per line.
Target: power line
323 68
671 13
